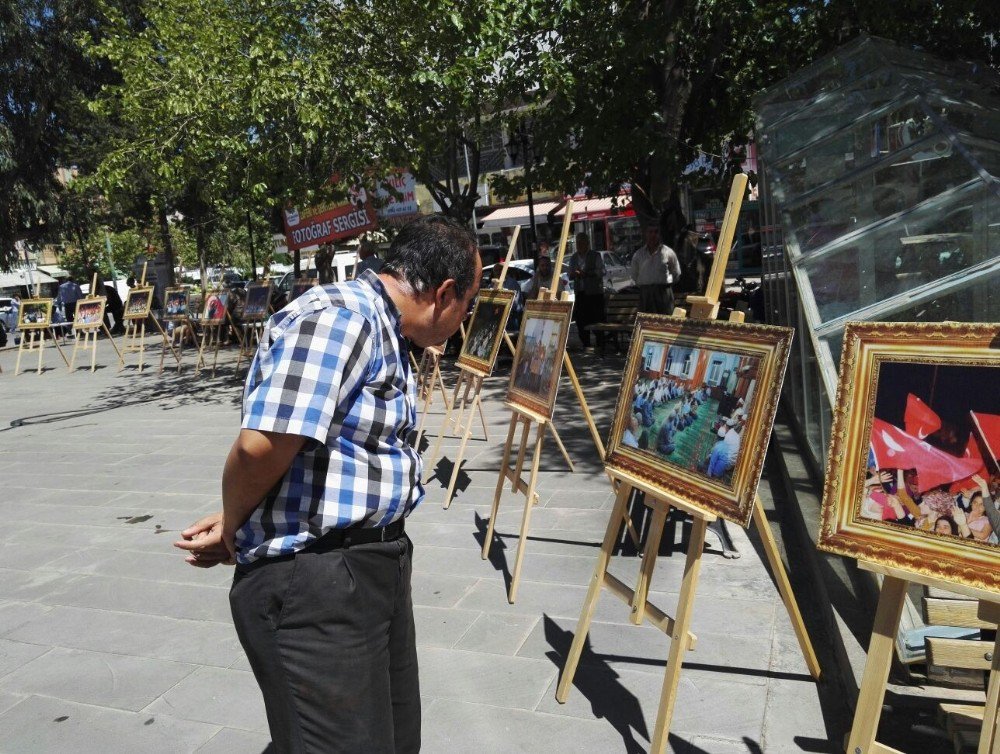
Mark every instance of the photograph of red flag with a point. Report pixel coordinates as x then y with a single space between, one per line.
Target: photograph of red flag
912 476
925 467
919 420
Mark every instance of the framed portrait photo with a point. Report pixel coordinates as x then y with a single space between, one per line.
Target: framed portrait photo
258 298
138 303
89 313
912 479
216 304
34 314
696 407
485 331
177 304
534 378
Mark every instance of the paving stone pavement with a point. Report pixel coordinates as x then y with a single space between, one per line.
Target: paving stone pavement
109 642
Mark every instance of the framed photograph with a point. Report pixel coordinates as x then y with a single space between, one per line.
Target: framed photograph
216 304
35 314
177 304
485 331
300 286
89 313
258 298
912 480
696 407
138 303
538 358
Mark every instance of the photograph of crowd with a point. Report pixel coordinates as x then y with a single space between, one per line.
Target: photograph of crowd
35 313
177 304
258 297
486 328
931 461
138 303
690 407
89 313
534 379
215 307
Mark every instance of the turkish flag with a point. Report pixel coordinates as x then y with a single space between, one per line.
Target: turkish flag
971 451
988 429
896 449
919 419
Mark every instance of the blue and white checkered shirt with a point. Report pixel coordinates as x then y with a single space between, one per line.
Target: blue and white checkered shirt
333 367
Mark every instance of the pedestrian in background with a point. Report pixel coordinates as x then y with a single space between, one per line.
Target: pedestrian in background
69 293
655 268
586 272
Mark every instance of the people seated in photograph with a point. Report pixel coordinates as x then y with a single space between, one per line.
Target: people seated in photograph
723 455
665 439
630 437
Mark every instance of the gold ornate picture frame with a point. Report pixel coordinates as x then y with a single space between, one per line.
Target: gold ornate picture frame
89 314
35 314
912 472
534 377
138 303
696 407
485 331
257 301
178 301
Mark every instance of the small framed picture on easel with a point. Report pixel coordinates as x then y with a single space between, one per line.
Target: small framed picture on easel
486 329
913 481
538 358
216 305
138 303
258 298
89 313
35 314
176 307
696 407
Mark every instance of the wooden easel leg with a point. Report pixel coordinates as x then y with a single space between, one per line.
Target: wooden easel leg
167 344
201 351
562 448
439 382
521 452
142 343
680 639
429 464
93 350
880 650
593 593
482 416
218 346
41 347
20 350
488 541
460 456
529 504
785 588
76 347
656 527
989 740
111 340
595 435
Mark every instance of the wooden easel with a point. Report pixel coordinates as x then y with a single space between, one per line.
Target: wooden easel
29 343
211 337
882 646
90 335
682 640
427 375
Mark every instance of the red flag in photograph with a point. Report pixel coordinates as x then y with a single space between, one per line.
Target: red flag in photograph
988 428
895 449
971 451
919 419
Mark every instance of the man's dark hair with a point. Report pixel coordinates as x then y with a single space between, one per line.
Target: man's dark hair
430 250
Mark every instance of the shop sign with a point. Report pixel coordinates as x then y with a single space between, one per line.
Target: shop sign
401 201
313 227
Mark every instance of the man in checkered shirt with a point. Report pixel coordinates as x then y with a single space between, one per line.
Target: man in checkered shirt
316 489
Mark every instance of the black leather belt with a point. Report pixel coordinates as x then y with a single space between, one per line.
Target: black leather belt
357 535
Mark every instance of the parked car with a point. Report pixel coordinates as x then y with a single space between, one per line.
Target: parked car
617 275
282 288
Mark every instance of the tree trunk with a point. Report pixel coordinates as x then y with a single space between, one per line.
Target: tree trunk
202 245
168 246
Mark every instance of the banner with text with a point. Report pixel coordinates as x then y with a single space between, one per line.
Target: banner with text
328 225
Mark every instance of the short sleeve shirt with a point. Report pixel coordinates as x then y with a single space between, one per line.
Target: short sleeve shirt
333 367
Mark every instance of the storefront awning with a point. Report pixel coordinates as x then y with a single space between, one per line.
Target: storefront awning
600 208
53 270
508 217
15 278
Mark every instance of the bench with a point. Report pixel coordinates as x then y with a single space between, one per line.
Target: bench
620 310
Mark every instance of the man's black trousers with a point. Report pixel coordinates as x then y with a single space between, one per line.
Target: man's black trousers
329 634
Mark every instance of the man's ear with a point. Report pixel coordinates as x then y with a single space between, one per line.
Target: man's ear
445 293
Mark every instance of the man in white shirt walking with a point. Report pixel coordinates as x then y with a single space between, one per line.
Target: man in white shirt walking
655 268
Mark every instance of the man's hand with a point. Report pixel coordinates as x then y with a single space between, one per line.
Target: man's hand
204 543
